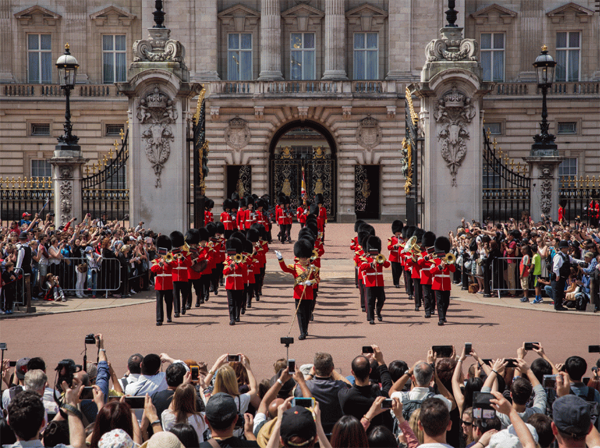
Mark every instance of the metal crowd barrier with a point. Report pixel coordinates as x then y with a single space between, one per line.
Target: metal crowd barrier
108 277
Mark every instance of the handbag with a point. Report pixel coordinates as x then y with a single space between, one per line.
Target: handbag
83 267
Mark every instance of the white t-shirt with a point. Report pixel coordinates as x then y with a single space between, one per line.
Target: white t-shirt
419 393
195 420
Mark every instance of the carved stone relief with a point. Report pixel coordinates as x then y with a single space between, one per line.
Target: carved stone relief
546 190
453 113
158 48
237 134
368 133
65 190
156 113
452 47
65 172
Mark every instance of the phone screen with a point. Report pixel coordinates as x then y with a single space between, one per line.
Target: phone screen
468 348
511 362
136 402
367 349
233 358
529 345
87 393
292 366
195 371
12 363
303 402
443 351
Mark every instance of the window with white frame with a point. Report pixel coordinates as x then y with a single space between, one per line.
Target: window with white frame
366 56
114 58
302 58
239 57
41 168
567 170
492 56
39 58
568 47
494 128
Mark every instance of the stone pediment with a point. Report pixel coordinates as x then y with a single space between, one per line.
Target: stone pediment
301 15
569 12
239 16
36 15
366 15
493 14
112 15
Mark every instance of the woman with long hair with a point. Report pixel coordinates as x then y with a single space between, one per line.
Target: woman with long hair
348 432
115 415
183 410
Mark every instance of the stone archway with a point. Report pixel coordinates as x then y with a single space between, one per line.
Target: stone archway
306 146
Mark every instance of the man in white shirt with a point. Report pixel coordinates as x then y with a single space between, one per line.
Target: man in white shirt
561 266
133 370
152 379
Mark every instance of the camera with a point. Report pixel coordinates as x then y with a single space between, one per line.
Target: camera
443 351
291 363
367 349
3 346
386 404
529 345
195 371
240 421
90 339
511 362
70 369
233 358
482 407
549 381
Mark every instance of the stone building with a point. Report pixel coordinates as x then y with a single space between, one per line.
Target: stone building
299 86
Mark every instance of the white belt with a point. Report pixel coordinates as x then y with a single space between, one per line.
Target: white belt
372 273
442 276
163 275
235 275
181 267
426 269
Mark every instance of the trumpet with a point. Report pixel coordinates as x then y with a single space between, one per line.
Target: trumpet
450 258
315 255
380 259
238 258
169 258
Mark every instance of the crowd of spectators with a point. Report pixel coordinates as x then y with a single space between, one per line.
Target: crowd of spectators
516 258
92 258
435 402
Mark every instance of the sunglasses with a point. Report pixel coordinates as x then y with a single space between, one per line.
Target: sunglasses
466 423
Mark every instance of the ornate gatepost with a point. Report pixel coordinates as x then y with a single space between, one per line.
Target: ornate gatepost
451 91
159 91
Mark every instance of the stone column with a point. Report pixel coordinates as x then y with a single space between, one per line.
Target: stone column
206 54
544 194
400 40
66 183
270 41
335 40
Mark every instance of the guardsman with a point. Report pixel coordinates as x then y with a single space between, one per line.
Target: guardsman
235 278
208 214
415 272
372 268
213 258
251 216
322 215
354 247
241 215
288 219
252 247
425 263
181 263
408 283
163 281
364 232
221 251
227 218
279 218
440 276
192 238
306 276
302 213
395 245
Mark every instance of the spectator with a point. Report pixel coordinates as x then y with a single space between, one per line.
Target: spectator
187 435
15 388
518 427
325 384
175 375
575 366
381 437
36 380
543 427
464 399
164 440
483 430
296 426
434 421
348 433
183 410
114 415
151 379
134 370
221 417
467 425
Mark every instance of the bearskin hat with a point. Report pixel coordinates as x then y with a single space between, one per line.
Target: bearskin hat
252 235
261 230
405 232
442 245
220 228
212 229
397 226
249 200
303 249
247 247
357 225
419 234
192 236
203 234
313 227
234 243
373 242
306 232
314 209
163 242
319 199
428 239
177 238
308 238
226 204
410 231
235 196
209 204
281 199
242 202
239 235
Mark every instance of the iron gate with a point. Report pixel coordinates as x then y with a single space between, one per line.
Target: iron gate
506 185
411 146
105 190
319 173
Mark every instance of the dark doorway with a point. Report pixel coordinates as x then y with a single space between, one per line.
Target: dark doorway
366 191
239 180
304 150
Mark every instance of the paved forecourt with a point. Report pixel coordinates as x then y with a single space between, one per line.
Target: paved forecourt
495 327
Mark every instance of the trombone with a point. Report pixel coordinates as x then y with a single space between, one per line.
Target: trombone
315 255
449 258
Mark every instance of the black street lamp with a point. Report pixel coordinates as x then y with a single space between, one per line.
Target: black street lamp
544 67
67 67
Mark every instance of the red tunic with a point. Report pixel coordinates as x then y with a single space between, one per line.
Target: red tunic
373 276
425 268
322 218
227 221
440 279
208 217
164 279
395 252
240 218
250 218
193 275
297 270
235 274
180 268
279 215
301 215
287 216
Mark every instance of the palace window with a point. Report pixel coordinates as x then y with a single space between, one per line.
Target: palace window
567 128
302 57
41 168
38 129
568 46
494 128
567 170
492 56
113 130
239 57
114 58
366 56
39 59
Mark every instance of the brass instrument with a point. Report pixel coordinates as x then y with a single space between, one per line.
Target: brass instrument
450 258
380 259
315 255
169 258
410 244
238 258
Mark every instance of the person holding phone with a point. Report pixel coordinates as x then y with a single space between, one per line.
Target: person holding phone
183 410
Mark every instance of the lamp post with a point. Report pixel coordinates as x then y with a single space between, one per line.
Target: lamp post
67 67
544 67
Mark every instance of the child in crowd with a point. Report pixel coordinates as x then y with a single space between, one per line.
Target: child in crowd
524 270
53 289
9 288
536 261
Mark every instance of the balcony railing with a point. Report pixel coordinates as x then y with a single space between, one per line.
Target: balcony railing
558 88
308 88
54 90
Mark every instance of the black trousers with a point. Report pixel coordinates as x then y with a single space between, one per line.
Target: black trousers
558 290
164 297
304 312
396 272
260 278
197 284
428 300
356 276
235 299
220 267
363 293
214 280
408 284
181 291
417 291
375 294
205 281
443 301
250 288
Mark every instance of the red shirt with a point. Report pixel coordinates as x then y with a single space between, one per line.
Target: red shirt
395 252
440 279
373 276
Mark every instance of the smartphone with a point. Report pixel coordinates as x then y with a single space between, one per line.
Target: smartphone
195 371
529 345
12 363
3 346
585 380
468 348
511 362
233 358
594 349
443 351
482 407
303 402
367 349
386 404
549 381
291 363
136 402
87 393
487 361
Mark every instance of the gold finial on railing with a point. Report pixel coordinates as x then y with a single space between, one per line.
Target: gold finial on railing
562 183
19 182
581 181
110 153
12 182
489 133
587 181
105 160
594 182
122 134
512 164
494 143
87 171
196 116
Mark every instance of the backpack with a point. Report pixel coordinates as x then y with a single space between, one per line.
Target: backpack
581 301
594 406
411 406
14 391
